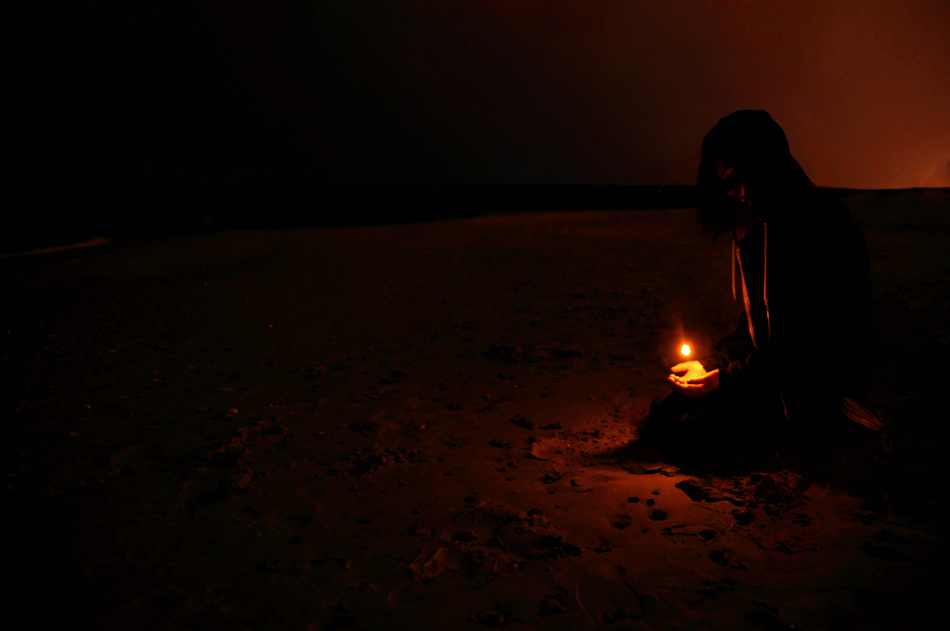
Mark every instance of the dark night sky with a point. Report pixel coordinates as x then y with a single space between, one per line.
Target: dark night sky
237 93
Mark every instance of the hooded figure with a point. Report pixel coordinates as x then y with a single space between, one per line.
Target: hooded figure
804 344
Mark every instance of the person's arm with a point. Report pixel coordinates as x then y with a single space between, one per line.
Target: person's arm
749 369
803 327
703 376
730 348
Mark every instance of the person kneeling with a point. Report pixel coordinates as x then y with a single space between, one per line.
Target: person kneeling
802 353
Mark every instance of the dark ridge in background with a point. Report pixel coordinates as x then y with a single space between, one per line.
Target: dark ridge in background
328 206
135 218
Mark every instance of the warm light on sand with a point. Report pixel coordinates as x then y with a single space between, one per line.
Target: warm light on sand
685 350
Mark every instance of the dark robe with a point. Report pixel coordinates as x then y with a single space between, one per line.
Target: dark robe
813 341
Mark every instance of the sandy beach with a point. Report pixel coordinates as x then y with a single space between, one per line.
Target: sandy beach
434 426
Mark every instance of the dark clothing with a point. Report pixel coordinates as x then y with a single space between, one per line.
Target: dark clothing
805 336
685 425
806 276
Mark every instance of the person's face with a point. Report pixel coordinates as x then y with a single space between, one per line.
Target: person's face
734 188
745 215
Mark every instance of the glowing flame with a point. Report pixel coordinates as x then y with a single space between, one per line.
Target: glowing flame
685 349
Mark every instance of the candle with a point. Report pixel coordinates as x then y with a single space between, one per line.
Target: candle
685 349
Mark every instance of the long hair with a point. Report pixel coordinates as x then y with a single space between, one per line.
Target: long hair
755 145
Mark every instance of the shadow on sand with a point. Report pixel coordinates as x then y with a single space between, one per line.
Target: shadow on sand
815 453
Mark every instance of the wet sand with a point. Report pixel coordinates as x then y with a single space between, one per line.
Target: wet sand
435 427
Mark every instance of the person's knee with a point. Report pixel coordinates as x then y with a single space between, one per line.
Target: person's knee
657 404
668 407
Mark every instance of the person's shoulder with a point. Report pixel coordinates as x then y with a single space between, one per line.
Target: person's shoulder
830 199
833 208
843 226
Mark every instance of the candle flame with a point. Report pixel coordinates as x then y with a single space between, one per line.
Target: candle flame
685 349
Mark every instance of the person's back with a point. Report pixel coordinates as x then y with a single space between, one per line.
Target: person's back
819 299
854 302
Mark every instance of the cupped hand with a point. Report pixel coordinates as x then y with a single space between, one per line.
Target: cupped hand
687 370
709 382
